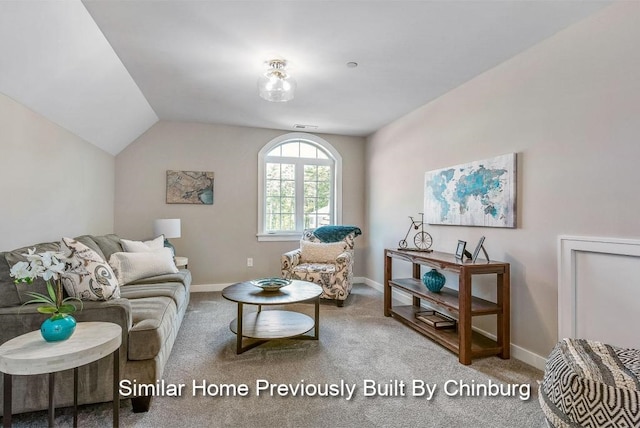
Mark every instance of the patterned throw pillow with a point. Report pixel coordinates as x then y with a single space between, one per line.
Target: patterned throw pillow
143 246
316 252
130 267
88 276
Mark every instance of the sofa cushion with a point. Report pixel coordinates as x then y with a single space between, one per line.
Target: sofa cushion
89 242
130 267
153 319
174 290
108 244
183 276
8 292
38 285
143 246
88 276
319 252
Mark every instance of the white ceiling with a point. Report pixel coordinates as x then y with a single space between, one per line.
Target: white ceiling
108 72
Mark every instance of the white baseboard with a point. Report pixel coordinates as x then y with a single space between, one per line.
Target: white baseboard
375 285
202 288
359 279
517 352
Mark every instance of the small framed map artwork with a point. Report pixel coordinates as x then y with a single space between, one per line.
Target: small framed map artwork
480 193
190 187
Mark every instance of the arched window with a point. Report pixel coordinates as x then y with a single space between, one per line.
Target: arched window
299 186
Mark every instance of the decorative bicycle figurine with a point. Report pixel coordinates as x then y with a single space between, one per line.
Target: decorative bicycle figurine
422 239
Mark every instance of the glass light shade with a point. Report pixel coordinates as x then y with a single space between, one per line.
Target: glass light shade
276 85
169 227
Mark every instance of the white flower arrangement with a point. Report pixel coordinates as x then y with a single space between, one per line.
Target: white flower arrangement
49 265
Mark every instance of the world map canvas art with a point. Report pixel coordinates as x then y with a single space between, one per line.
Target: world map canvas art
480 193
190 187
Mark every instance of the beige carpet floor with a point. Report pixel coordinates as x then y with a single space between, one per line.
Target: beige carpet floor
358 346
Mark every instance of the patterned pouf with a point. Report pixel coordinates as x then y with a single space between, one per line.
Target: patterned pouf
591 384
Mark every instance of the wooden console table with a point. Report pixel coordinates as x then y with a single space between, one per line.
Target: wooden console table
465 342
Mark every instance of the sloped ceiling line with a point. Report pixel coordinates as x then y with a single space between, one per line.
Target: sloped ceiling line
109 70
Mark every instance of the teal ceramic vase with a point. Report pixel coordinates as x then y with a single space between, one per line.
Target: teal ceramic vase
434 280
58 327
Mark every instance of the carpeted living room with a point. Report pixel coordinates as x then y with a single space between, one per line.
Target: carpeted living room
312 213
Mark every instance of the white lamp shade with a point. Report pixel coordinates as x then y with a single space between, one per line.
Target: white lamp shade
169 227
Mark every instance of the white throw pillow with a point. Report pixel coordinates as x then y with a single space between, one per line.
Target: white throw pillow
143 246
87 276
319 252
129 267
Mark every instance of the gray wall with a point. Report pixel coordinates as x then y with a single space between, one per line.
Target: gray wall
53 183
218 238
569 108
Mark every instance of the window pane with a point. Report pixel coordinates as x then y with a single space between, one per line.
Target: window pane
291 149
308 151
310 221
269 221
288 205
324 220
324 187
322 154
309 205
275 152
324 173
310 189
288 222
288 171
273 171
310 172
324 192
273 187
288 188
273 205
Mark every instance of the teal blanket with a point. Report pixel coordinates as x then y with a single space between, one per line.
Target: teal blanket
335 233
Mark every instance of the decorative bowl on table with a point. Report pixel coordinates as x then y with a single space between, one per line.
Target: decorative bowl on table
271 284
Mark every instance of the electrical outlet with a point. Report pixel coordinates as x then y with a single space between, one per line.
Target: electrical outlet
250 262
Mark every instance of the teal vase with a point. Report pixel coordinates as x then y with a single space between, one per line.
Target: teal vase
434 280
58 327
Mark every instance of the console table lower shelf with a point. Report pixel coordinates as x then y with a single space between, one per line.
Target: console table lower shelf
481 346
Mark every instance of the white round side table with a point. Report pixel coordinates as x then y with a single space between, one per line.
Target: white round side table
30 354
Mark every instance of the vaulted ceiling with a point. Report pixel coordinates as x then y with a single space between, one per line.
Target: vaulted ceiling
108 70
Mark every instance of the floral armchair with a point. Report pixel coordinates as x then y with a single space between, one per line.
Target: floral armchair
328 264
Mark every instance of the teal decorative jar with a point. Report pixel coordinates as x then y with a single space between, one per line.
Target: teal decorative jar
58 327
434 280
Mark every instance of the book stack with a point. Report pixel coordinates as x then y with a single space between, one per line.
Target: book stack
436 319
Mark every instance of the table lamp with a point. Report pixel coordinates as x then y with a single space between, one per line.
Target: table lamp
170 228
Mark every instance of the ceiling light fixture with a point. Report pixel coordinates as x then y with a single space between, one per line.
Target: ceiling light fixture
276 85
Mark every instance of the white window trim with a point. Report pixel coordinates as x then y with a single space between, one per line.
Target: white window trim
310 138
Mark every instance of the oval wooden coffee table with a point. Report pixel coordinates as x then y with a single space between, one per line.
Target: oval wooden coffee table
273 324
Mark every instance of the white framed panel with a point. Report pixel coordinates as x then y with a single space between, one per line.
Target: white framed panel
599 289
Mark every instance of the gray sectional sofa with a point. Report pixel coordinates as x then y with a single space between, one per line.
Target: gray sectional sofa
149 311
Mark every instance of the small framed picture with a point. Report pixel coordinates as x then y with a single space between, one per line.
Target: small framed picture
460 249
477 250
